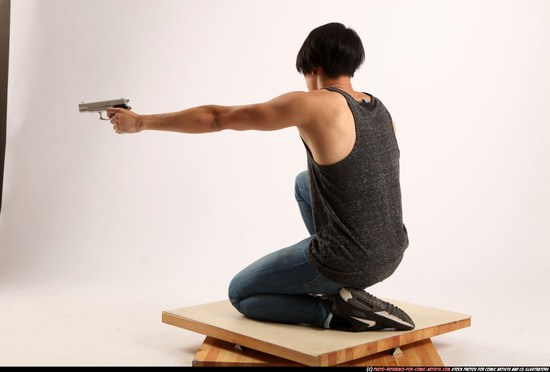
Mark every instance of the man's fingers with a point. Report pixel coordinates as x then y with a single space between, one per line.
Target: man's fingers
111 111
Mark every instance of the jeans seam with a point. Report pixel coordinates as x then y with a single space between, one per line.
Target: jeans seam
303 190
311 281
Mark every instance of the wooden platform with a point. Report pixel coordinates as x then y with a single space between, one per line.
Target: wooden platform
218 353
309 345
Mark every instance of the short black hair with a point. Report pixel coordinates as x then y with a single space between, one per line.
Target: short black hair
335 48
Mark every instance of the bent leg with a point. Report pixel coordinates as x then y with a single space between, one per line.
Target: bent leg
301 192
280 287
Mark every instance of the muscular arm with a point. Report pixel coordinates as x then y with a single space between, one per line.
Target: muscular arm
287 110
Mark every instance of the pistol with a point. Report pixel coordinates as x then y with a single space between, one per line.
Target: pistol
103 106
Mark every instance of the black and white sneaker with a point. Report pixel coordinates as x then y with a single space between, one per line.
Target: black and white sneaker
356 310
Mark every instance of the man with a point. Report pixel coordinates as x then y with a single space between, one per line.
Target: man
349 198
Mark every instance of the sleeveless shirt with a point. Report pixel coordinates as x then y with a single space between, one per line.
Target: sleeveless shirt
359 237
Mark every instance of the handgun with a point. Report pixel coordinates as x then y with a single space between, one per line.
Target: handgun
103 106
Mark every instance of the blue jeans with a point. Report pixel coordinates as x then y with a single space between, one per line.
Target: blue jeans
283 286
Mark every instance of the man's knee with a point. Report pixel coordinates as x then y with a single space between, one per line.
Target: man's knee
232 293
301 183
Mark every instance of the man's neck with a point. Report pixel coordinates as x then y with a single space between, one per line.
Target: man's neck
342 82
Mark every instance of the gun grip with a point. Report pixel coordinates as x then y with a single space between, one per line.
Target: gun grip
116 106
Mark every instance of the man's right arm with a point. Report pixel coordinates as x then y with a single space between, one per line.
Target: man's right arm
285 111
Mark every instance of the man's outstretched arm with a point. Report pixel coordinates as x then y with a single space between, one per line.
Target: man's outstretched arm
285 111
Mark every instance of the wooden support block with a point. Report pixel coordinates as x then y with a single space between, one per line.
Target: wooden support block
218 353
311 345
396 351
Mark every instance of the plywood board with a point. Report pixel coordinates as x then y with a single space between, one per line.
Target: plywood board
310 345
218 353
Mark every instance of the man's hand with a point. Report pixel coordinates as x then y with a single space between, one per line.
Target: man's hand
124 121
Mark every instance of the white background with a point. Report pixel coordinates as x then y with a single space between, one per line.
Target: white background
99 233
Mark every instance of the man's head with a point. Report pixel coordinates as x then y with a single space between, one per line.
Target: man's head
338 50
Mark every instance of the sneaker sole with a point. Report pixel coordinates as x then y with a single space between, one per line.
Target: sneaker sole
367 312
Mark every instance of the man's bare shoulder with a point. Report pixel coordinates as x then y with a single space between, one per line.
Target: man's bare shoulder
296 108
319 94
316 100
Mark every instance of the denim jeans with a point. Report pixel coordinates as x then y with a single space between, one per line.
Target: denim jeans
283 286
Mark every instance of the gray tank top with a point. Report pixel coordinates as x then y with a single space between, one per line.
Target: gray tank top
360 237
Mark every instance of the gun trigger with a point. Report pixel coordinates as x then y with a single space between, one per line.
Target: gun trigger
102 118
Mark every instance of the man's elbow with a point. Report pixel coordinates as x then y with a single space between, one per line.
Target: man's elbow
213 121
233 118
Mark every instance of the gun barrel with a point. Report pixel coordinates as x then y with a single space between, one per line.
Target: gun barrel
102 105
